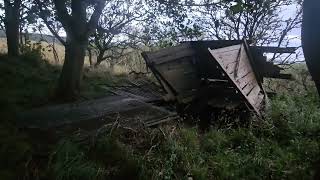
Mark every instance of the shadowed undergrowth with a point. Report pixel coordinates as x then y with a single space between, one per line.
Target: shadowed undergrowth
29 81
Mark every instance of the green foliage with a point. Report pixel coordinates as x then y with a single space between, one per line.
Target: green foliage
32 52
70 162
106 157
26 82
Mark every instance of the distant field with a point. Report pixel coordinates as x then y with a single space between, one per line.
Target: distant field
125 64
47 51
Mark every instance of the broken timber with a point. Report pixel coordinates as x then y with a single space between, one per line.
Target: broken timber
224 74
91 115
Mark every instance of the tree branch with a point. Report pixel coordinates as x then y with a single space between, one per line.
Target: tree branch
93 22
62 13
47 23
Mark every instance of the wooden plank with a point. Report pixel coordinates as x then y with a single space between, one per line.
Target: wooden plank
244 65
279 76
259 100
174 56
168 50
228 54
181 76
245 80
91 114
252 96
163 82
226 49
249 86
169 54
234 53
178 64
230 67
270 49
252 63
254 91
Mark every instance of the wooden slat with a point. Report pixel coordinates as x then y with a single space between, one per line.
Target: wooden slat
269 49
245 80
227 55
175 56
278 76
230 67
245 75
168 50
253 95
259 100
169 54
181 76
244 65
163 82
226 49
230 54
249 86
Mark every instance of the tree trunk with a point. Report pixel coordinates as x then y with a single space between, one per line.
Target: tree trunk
11 22
90 57
70 78
311 38
54 51
99 58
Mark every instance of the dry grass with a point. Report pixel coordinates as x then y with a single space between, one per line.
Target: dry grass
124 65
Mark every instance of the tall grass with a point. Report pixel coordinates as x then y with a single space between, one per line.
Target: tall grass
284 145
28 82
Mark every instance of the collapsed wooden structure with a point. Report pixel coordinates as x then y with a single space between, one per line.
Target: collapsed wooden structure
220 74
194 75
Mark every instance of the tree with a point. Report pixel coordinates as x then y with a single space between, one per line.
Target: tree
170 22
311 38
116 31
11 22
75 18
260 21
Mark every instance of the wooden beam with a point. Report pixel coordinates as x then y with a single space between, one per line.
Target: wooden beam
279 76
270 49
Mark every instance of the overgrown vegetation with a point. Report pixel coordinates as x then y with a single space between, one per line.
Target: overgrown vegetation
29 81
284 145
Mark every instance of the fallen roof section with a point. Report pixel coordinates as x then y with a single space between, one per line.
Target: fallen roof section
188 70
60 120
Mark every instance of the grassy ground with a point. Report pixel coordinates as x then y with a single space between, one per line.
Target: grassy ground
29 82
285 145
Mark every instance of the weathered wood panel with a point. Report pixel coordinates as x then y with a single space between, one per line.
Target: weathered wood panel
227 55
180 74
240 72
170 54
260 99
244 81
248 88
93 114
